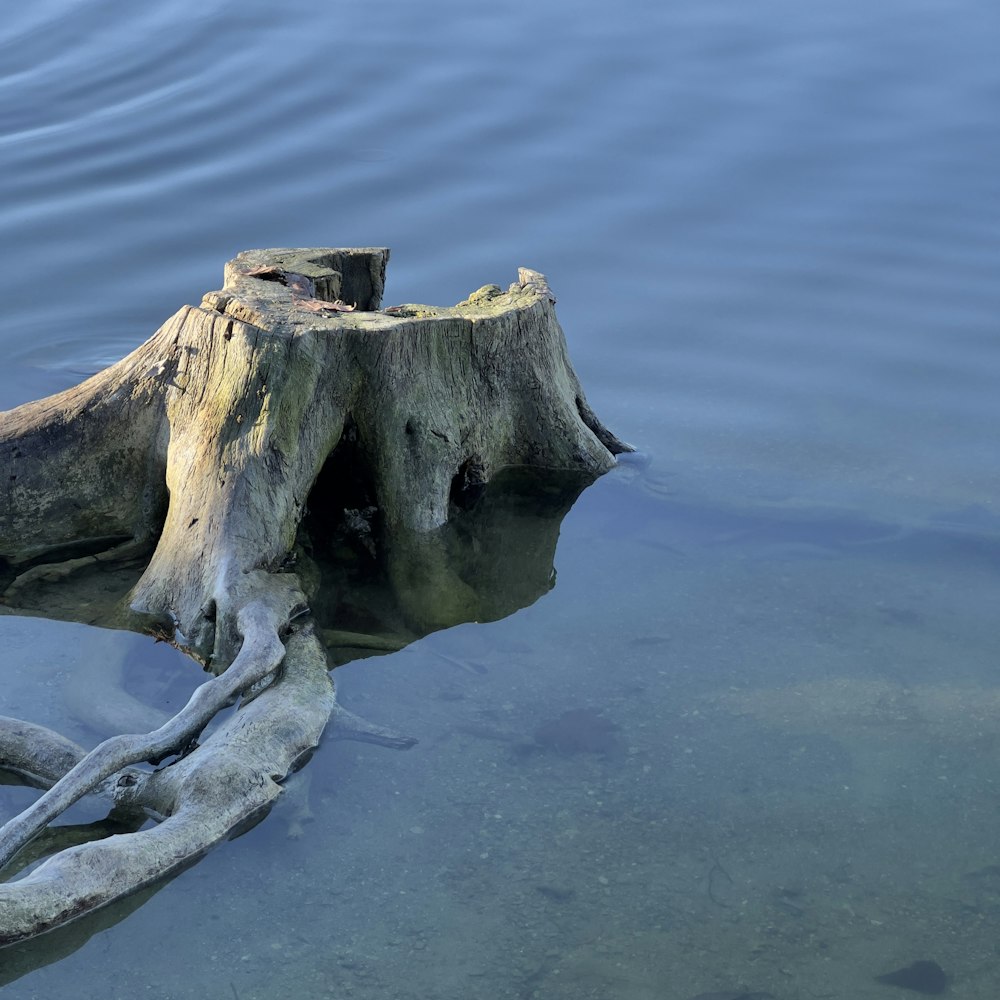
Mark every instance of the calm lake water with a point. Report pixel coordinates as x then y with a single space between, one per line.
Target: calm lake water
774 232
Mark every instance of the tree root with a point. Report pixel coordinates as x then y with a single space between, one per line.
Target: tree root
348 726
261 654
361 640
52 572
38 755
247 756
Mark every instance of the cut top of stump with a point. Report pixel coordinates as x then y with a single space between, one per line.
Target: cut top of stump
321 287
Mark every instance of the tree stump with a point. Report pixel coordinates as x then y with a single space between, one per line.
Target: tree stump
287 407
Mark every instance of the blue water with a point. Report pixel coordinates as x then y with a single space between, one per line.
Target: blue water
774 233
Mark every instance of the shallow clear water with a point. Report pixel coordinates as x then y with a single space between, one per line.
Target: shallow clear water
773 231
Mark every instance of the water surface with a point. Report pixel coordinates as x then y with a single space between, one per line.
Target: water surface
773 231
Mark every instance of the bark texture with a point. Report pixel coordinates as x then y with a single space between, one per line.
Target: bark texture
203 447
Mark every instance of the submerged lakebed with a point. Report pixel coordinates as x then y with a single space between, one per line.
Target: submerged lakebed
734 827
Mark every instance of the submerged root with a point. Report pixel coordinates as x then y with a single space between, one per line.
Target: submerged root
261 654
53 572
225 785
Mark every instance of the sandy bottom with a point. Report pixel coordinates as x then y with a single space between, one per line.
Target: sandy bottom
790 789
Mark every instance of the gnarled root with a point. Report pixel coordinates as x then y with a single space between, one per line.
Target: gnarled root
223 786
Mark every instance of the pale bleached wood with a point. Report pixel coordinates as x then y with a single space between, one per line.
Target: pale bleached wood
203 445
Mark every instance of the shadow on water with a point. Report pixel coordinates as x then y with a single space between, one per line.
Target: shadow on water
370 591
374 593
20 959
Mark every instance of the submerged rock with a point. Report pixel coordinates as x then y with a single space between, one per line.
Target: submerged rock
578 730
921 977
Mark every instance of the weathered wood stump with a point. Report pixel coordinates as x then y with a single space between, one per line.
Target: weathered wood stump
285 404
